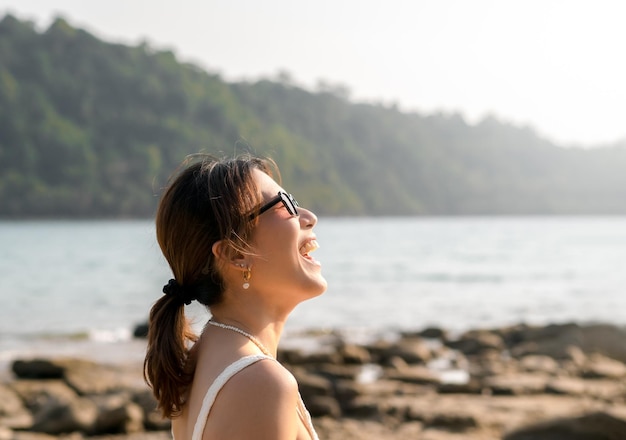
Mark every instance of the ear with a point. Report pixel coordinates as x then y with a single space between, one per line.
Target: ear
236 260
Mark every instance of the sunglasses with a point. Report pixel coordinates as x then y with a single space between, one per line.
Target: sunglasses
286 199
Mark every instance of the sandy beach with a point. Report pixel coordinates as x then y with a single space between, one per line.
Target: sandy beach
513 383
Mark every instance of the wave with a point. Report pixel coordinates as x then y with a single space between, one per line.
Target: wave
101 345
90 335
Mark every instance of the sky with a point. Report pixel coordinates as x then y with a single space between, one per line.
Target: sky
557 66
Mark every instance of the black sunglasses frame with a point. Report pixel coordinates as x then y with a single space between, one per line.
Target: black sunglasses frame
288 201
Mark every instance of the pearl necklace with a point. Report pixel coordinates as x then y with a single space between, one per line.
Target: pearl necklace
256 342
300 408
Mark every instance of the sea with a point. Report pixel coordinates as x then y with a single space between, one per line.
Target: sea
79 288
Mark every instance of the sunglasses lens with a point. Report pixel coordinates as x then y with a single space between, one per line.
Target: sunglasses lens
289 202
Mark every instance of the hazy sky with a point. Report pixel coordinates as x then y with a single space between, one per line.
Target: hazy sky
557 65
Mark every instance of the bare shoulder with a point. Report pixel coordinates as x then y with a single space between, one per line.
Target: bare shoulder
258 402
267 376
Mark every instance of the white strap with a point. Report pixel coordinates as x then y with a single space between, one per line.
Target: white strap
215 388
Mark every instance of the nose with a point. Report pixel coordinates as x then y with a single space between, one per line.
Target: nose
307 218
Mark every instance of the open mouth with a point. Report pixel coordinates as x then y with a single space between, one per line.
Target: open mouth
308 247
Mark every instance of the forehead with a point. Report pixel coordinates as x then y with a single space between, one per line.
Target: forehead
266 185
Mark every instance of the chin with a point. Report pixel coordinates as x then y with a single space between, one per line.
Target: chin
321 287
314 287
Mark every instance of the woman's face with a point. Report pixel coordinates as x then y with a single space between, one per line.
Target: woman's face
282 243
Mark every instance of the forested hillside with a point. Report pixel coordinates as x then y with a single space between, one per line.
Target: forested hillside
93 129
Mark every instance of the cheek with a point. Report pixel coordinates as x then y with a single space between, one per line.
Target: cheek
281 250
277 241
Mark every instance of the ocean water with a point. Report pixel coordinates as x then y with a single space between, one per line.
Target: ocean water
80 287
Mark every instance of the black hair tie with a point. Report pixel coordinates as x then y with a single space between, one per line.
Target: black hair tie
183 294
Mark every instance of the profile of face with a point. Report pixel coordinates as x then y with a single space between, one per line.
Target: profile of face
282 242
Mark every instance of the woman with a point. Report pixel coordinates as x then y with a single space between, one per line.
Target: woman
239 244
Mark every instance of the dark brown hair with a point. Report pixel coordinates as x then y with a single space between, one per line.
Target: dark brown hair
209 200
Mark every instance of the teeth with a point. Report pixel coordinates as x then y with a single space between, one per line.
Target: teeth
309 247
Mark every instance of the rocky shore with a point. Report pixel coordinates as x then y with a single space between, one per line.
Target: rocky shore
564 381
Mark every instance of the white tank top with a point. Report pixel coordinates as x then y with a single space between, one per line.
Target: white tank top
217 385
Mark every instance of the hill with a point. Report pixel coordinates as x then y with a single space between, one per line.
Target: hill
92 129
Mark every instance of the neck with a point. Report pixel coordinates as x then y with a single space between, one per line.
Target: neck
265 334
258 313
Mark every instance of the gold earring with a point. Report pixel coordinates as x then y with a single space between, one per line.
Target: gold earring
246 278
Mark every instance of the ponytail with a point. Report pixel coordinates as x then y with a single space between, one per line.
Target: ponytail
166 368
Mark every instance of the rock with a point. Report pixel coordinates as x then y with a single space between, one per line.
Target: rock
62 417
30 435
472 386
37 369
397 363
151 416
141 330
538 363
291 356
413 374
335 372
296 357
13 413
452 419
572 386
477 341
556 340
434 333
596 426
363 429
155 422
117 414
491 363
145 399
346 391
85 377
312 385
354 354
599 366
363 407
89 378
36 394
379 350
604 339
516 384
320 406
516 378
413 350
6 433
452 422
